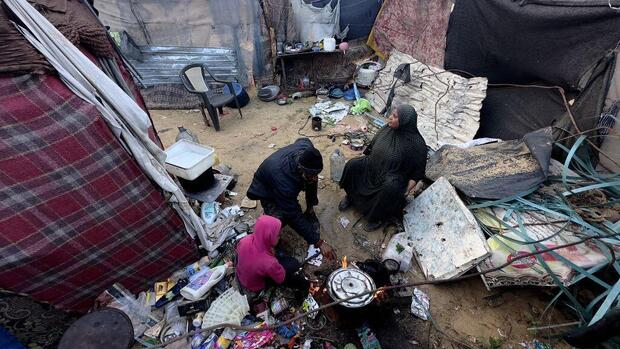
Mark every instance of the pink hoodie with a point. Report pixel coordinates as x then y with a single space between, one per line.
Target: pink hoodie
255 259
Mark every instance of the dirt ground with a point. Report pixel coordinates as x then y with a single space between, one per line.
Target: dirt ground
466 311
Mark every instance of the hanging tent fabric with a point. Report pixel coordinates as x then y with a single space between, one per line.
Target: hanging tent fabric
547 43
79 209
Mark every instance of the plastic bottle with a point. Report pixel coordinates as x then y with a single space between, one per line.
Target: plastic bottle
177 324
337 162
398 253
191 269
223 342
197 339
186 135
202 282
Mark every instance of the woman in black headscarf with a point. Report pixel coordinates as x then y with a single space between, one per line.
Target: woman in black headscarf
377 183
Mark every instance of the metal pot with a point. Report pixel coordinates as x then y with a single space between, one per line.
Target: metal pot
347 282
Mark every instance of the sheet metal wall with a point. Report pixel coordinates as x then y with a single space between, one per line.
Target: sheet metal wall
194 23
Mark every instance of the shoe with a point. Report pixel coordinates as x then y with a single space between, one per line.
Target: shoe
372 226
344 204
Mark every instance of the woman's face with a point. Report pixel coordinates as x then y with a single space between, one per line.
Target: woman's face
393 119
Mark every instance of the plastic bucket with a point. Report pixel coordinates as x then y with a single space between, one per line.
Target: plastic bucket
242 95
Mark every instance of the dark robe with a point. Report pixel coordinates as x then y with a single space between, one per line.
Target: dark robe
376 183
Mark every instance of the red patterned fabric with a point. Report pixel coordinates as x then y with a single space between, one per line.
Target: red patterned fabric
76 212
415 27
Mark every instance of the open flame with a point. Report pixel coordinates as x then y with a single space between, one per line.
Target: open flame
314 287
380 295
345 264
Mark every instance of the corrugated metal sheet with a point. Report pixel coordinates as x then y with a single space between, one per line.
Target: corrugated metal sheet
448 105
162 64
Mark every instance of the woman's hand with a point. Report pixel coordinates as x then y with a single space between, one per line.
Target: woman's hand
326 250
410 187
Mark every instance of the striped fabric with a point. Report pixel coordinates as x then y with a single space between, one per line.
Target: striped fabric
76 212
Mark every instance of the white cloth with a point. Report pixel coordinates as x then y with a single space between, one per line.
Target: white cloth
128 121
315 24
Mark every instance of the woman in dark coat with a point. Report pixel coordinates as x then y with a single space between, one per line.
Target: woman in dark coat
376 184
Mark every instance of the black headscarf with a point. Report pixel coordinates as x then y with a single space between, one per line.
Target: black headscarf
399 151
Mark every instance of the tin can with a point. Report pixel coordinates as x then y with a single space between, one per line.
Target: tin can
278 306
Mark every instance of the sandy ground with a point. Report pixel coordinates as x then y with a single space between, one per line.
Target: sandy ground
464 310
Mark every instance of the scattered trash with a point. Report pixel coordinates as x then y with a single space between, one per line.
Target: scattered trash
209 211
535 344
248 203
398 253
230 307
310 304
446 238
420 304
329 112
278 305
288 331
274 129
173 292
344 221
368 338
316 261
254 339
272 145
186 272
177 325
200 283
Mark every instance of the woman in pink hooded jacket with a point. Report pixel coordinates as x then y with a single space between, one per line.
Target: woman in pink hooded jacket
256 260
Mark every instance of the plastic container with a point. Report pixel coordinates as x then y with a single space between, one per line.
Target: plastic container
189 160
367 73
202 282
242 96
177 324
223 342
398 253
329 44
336 165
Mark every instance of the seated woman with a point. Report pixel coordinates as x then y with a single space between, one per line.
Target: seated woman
376 184
257 264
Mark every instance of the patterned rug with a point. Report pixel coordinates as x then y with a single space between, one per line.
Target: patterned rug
35 325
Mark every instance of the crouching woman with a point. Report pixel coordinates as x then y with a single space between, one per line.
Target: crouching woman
257 263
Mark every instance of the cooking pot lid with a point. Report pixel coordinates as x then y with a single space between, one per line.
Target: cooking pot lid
347 282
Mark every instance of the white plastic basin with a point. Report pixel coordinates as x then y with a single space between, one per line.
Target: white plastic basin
189 160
